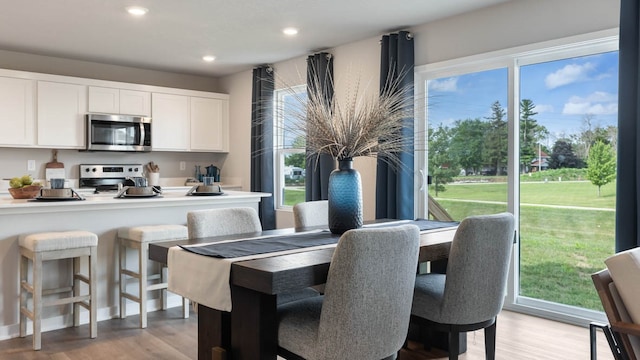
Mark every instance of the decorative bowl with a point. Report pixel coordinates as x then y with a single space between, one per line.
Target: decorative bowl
26 192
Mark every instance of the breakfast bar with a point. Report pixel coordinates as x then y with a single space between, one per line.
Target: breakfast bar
101 214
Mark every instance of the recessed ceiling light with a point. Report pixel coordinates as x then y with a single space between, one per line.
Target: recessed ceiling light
208 58
290 31
137 10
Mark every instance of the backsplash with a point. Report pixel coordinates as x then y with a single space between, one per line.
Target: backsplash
14 161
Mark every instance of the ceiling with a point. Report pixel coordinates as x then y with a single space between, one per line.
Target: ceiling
175 34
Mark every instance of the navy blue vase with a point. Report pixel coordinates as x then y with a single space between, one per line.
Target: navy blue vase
345 198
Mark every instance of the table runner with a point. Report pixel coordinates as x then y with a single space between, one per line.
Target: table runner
205 279
247 247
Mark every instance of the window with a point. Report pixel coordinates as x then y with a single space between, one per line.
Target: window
289 147
558 100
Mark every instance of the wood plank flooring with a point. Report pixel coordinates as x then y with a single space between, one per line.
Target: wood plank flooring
519 337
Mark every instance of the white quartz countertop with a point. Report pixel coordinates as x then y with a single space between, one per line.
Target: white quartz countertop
174 196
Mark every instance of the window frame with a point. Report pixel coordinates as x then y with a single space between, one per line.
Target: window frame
280 151
512 59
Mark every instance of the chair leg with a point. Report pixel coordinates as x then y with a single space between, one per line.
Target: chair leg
454 345
490 341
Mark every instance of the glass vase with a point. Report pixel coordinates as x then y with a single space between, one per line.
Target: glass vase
345 198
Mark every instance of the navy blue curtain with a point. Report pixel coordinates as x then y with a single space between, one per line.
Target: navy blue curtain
262 143
628 184
318 168
394 186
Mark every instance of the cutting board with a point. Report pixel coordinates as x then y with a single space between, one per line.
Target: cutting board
54 169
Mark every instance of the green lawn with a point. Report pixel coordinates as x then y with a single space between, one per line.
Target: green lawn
559 247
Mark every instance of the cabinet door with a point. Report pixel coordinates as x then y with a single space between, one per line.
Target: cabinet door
16 112
170 122
209 124
134 102
104 100
61 114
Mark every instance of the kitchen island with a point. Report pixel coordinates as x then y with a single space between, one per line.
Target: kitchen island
101 214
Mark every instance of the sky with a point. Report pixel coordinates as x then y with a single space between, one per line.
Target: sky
564 92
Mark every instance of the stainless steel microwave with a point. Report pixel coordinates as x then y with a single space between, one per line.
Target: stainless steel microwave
118 133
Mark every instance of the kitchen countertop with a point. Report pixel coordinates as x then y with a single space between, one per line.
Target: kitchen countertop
173 196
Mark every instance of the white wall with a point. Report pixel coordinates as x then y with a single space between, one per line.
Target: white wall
502 26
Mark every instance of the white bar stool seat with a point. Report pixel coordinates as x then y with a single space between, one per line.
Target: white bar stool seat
42 247
138 238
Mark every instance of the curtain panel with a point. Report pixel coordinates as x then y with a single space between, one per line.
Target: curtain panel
262 176
628 176
318 168
394 186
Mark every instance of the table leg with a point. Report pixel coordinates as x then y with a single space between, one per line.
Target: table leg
254 328
213 331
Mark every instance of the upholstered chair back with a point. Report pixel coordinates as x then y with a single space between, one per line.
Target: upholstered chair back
367 304
311 213
477 269
220 222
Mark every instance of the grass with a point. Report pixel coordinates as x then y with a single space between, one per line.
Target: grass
559 247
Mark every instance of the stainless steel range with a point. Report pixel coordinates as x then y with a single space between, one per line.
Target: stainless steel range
107 177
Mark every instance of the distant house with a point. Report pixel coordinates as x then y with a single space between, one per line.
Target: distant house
293 173
541 162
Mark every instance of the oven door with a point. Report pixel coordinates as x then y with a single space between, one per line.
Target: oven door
118 133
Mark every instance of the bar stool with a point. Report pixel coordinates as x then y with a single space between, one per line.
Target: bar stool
138 238
42 247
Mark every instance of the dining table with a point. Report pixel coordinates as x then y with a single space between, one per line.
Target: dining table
249 330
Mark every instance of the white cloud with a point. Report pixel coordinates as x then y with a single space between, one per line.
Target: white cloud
569 74
542 108
597 103
444 85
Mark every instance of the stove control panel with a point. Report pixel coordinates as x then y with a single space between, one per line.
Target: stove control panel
110 171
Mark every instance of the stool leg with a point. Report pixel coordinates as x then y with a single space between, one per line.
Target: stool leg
122 264
24 273
93 293
76 291
163 292
185 308
37 301
142 285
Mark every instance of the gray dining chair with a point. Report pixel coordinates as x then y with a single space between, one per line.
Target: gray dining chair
233 221
365 311
220 222
471 294
311 213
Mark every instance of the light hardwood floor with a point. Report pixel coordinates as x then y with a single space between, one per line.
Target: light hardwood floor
170 337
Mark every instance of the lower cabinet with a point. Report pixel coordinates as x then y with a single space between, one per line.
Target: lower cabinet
61 115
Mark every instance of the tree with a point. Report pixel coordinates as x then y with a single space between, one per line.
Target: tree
562 156
530 133
496 142
601 164
467 141
441 166
297 159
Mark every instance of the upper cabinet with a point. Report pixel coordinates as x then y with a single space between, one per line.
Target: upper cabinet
170 122
17 99
61 114
209 124
119 101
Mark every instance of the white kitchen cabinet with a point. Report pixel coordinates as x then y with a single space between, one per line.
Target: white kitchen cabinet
61 115
17 99
209 124
170 122
119 101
